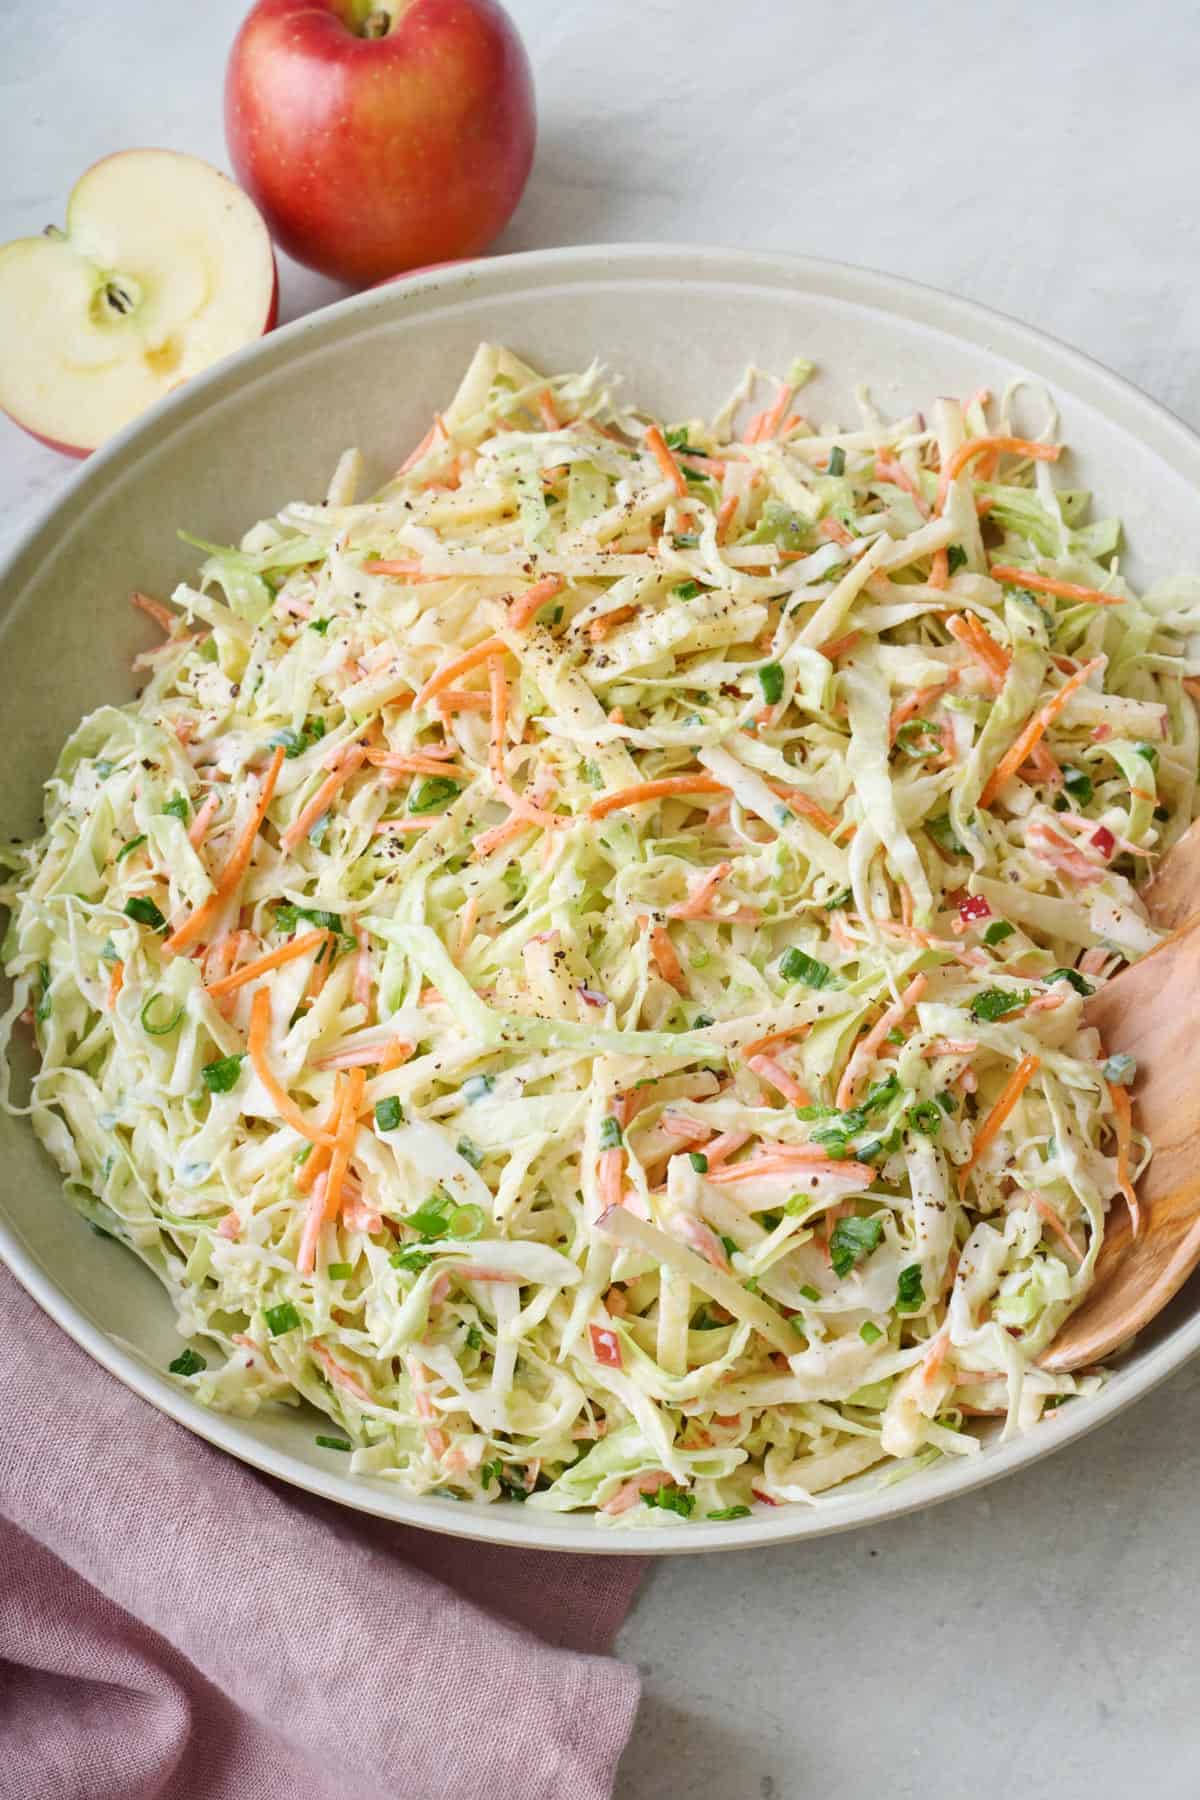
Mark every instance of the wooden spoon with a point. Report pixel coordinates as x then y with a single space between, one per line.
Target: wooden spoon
1150 1010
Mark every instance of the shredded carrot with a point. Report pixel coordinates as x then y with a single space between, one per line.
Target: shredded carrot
1013 1088
768 1070
698 899
426 443
230 879
341 1377
1009 446
610 1170
274 959
834 532
753 430
668 963
526 809
198 829
939 572
116 982
343 1141
836 647
466 929
1123 1109
547 411
599 628
260 1022
382 825
979 642
915 704
818 1163
654 790
452 700
1046 1212
321 801
774 416
398 762
800 802
935 1356
450 672
865 1050
522 609
398 569
656 443
1021 748
764 1045
728 507
154 609
890 468
1047 584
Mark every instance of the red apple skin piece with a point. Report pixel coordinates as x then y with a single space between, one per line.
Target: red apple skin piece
368 156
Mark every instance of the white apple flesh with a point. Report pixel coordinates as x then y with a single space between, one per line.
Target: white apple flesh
164 267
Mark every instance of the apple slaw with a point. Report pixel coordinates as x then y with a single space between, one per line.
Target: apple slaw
575 965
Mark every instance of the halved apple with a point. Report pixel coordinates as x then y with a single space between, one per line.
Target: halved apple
164 267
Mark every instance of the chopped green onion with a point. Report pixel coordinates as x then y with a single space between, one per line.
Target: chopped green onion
466 1222
840 900
178 808
869 1333
610 1134
144 911
910 1293
1078 784
332 1443
851 1240
44 1006
153 1020
129 848
1150 753
475 1087
947 1102
997 931
837 461
698 1161
686 590
1076 980
340 1271
433 794
729 1512
281 1318
187 1363
996 1003
218 1077
389 1114
470 1153
474 1338
412 1260
956 558
432 1219
770 680
810 1293
671 1499
795 965
925 1117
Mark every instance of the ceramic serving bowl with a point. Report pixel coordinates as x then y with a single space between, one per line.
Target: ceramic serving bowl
267 427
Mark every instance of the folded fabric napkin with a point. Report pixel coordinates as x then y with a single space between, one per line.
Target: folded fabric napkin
174 1626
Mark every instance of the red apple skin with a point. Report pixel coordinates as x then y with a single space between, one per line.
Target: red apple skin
368 156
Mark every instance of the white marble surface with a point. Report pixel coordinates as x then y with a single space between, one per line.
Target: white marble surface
1039 1639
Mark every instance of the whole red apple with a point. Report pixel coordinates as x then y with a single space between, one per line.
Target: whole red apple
378 137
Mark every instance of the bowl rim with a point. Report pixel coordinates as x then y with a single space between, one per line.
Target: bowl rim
1124 405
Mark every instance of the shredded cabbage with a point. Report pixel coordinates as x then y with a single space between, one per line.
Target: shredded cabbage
533 969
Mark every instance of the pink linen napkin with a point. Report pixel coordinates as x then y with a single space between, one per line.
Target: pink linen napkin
174 1626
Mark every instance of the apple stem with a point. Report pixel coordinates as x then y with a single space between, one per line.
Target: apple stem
377 24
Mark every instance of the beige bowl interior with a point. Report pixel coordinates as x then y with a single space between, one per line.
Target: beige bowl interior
267 427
